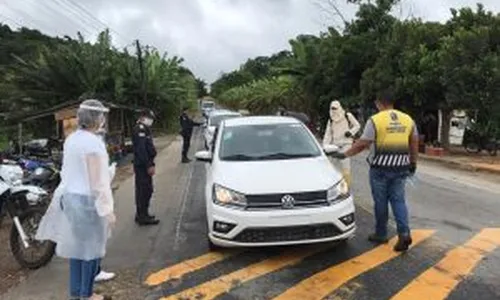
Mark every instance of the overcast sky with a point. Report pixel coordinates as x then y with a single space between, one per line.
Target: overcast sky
213 36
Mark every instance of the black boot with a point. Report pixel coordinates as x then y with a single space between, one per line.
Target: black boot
147 217
404 242
374 238
146 221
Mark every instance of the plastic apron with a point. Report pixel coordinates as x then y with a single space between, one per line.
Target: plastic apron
72 222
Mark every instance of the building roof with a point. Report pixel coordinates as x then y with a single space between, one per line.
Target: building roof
66 105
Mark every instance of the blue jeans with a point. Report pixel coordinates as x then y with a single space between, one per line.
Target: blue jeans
388 186
81 277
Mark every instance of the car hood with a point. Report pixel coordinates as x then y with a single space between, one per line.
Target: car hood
276 176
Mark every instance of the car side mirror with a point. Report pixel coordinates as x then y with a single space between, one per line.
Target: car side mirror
330 149
204 156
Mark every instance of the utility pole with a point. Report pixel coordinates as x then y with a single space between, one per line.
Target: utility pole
143 75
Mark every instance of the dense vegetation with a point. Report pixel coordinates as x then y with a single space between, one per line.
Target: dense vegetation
38 72
428 65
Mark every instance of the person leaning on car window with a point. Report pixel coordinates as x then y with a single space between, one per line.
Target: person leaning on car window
393 138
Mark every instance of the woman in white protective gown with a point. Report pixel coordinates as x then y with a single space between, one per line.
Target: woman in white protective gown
340 130
82 212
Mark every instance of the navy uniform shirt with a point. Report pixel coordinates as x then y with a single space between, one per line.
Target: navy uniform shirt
144 149
187 124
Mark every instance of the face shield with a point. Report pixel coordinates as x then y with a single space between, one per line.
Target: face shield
147 121
93 115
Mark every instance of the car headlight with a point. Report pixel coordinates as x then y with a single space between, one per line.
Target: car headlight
338 192
225 196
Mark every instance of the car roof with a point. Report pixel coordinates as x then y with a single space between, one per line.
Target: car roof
223 112
261 120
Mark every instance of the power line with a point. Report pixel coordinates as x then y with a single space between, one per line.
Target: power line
30 20
12 20
85 11
54 12
68 9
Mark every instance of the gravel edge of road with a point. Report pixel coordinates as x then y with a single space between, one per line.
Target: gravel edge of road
458 165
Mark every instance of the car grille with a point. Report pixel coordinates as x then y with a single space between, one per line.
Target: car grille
287 234
273 201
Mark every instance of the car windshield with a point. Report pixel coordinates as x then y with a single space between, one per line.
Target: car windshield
267 142
215 120
208 105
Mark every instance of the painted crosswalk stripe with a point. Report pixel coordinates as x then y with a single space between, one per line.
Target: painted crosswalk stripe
217 286
325 282
188 266
439 281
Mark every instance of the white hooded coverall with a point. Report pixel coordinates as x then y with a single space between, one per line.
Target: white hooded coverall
338 125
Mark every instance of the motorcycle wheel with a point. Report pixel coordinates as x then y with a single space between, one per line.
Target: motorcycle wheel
472 147
39 253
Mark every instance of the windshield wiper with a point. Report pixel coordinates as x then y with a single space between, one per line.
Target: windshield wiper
242 157
282 155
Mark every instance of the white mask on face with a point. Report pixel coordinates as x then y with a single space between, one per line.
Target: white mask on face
148 122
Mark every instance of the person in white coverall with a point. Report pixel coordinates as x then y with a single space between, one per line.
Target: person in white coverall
340 130
80 217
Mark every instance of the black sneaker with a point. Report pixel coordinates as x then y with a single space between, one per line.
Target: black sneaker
404 242
147 222
374 238
147 217
185 160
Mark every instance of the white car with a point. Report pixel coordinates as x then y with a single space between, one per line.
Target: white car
214 119
269 182
206 107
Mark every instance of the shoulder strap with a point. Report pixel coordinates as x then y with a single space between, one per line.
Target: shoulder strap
348 120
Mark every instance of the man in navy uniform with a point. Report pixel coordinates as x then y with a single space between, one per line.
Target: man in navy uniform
144 168
187 125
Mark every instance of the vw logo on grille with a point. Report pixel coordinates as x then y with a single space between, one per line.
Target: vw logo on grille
287 201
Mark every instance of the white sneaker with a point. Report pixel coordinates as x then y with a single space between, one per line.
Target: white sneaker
104 276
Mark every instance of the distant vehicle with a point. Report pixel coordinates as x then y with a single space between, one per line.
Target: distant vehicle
206 107
214 120
271 183
244 112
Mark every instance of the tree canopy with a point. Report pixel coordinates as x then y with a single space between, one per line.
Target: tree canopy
428 65
38 72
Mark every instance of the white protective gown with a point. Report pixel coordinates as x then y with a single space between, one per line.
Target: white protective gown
76 218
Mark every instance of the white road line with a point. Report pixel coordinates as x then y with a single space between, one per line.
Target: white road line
185 194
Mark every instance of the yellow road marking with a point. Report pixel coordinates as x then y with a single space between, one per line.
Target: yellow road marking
188 266
217 286
323 283
438 281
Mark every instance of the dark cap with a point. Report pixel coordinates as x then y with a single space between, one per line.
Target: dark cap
147 113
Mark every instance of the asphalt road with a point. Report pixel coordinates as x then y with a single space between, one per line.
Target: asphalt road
455 225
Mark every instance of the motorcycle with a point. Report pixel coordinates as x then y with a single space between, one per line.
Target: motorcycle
46 176
475 143
26 205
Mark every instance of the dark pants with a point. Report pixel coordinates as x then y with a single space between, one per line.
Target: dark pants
389 187
143 191
81 277
186 143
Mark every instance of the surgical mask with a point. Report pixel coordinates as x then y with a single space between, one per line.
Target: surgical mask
148 122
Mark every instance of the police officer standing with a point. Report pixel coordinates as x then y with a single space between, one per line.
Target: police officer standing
144 168
187 125
393 138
